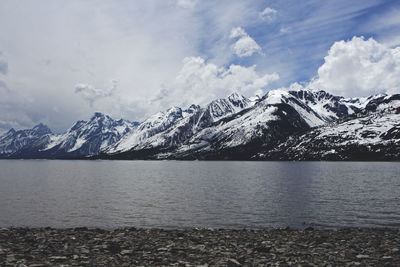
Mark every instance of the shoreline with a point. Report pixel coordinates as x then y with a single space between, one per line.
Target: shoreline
395 160
37 247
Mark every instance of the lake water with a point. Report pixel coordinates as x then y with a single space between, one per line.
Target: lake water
180 194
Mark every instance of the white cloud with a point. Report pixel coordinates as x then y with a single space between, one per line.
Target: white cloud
139 43
186 3
201 82
284 30
245 46
296 87
90 94
359 67
91 42
142 43
268 14
238 32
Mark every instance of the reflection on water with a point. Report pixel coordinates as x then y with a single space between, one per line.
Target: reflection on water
175 194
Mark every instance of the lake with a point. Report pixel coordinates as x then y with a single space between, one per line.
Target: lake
181 194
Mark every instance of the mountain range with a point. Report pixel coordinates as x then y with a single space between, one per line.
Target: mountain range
281 125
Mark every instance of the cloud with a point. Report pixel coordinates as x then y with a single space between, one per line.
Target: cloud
91 94
201 82
4 86
3 65
245 46
142 43
186 3
15 104
268 14
359 67
238 32
284 30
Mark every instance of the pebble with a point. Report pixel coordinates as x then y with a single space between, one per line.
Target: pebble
362 256
56 258
233 263
126 251
36 247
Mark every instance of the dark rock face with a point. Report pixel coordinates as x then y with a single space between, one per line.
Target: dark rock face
393 133
374 103
194 247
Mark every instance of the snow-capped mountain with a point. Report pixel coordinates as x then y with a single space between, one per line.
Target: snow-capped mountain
374 134
259 127
14 141
281 125
277 115
157 123
372 137
175 126
84 138
89 137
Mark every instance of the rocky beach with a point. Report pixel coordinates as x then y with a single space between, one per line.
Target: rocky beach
36 247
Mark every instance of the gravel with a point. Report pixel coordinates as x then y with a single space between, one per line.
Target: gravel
36 247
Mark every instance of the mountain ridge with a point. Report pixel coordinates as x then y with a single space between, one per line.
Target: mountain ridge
236 127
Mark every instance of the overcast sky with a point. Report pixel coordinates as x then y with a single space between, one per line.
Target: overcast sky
60 61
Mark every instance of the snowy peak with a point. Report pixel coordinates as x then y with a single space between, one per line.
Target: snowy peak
311 115
8 134
190 110
41 129
239 100
221 108
36 131
329 107
101 120
89 137
314 96
275 96
174 126
375 136
98 115
77 125
317 107
383 103
232 127
162 120
13 140
155 124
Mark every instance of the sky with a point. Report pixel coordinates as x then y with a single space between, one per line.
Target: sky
61 61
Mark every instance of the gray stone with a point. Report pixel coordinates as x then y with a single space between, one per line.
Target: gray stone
233 263
191 247
126 251
58 258
360 256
